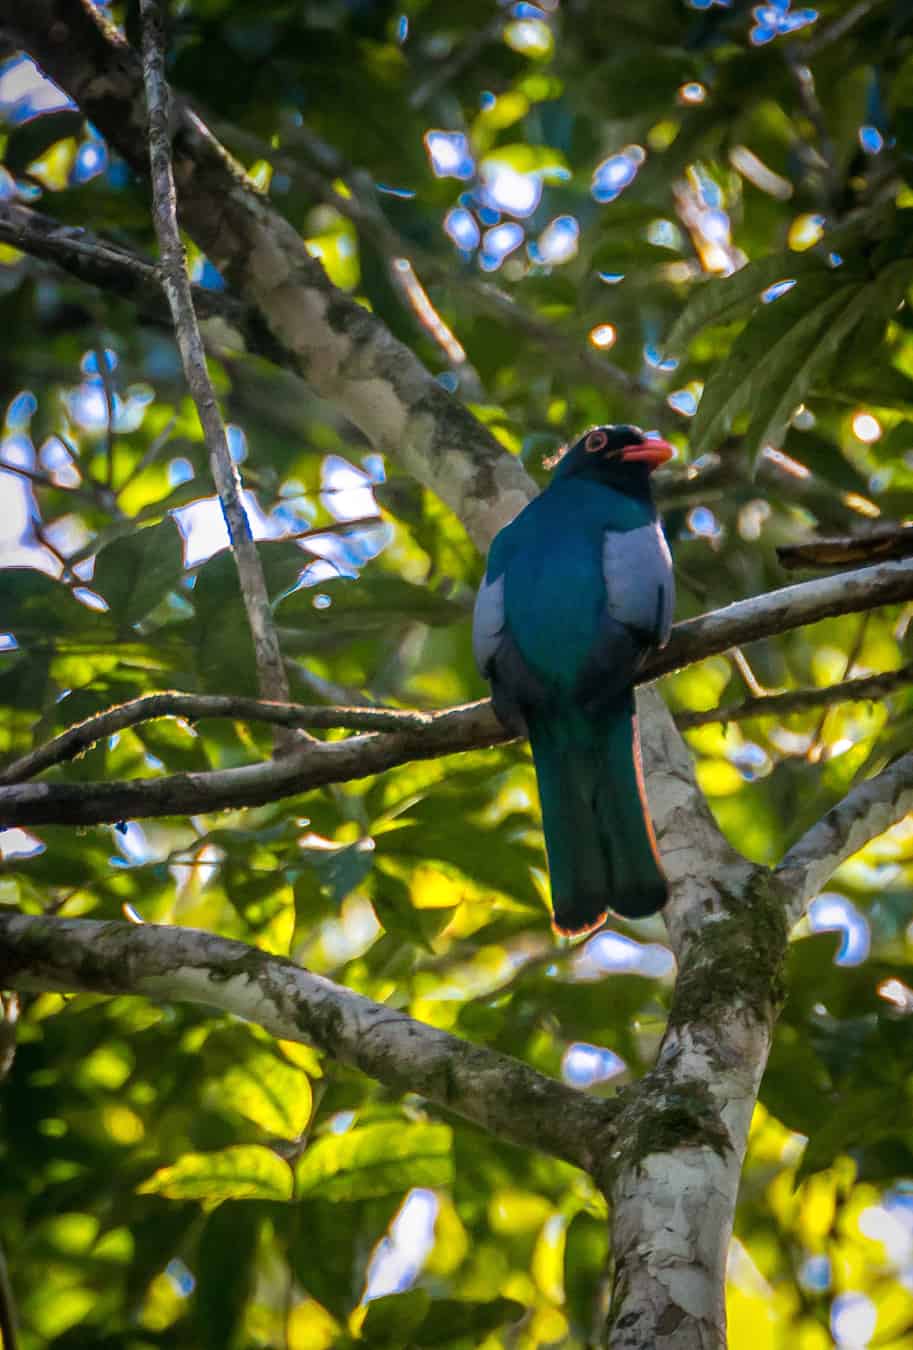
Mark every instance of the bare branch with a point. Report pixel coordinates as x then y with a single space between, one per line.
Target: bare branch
98 261
881 542
9 1322
456 62
838 29
468 728
698 860
781 610
314 765
178 964
192 707
864 688
270 670
866 811
78 738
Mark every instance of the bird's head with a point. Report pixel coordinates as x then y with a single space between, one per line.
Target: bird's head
620 456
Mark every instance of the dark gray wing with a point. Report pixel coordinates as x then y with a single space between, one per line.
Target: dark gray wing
514 687
640 589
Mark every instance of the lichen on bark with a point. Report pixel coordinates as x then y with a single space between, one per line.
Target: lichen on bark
735 959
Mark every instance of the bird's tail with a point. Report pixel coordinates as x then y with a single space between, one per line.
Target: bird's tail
601 849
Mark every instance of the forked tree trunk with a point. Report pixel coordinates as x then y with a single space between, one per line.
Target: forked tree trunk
673 1177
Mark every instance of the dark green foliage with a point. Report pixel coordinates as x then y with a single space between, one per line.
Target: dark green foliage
169 1178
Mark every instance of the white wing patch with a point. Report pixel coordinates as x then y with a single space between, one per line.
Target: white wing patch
640 590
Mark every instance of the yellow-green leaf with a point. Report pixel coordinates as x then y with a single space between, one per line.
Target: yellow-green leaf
247 1172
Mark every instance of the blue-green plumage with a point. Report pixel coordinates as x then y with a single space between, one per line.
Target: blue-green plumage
578 589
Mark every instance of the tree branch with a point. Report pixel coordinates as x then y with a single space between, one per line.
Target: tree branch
864 687
111 267
490 1089
176 283
447 732
345 353
698 860
319 717
781 610
878 543
866 811
9 1321
150 707
678 1179
314 765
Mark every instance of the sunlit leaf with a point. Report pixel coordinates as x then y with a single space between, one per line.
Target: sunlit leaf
243 1172
134 573
373 1160
394 1319
269 1092
722 299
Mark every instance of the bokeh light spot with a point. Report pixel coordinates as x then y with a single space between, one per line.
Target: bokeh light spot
603 336
866 428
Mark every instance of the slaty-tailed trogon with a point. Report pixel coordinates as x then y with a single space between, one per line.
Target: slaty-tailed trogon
578 589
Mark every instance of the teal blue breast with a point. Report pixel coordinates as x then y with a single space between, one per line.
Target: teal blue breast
554 593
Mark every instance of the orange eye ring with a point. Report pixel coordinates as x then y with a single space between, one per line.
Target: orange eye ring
596 441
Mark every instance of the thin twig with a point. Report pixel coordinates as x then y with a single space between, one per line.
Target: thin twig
9 1018
356 523
176 283
151 455
456 62
881 541
8 1320
814 752
66 572
750 680
191 707
99 262
46 481
107 384
865 688
838 29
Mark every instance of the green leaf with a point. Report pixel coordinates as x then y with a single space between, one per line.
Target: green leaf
361 608
35 607
771 348
863 1117
394 1319
339 867
448 1319
776 401
491 857
376 1159
136 572
270 1092
722 299
225 1274
29 141
245 1172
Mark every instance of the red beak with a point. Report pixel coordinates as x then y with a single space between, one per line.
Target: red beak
653 452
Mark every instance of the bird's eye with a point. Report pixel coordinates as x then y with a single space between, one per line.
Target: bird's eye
597 440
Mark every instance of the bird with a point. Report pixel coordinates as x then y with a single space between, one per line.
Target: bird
578 589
